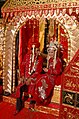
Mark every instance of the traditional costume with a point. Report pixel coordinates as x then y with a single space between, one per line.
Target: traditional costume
31 67
45 82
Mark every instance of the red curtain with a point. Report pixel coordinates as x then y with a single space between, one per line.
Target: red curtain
25 35
64 43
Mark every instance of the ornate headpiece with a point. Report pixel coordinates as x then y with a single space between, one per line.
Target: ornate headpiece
53 46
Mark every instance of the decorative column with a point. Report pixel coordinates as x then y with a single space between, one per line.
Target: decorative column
7 62
3 53
13 65
59 33
69 49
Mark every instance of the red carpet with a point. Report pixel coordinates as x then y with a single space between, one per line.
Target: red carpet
7 110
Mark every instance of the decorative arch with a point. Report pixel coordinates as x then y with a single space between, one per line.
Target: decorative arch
12 28
15 15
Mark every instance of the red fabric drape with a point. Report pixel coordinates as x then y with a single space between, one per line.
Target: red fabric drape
64 43
25 35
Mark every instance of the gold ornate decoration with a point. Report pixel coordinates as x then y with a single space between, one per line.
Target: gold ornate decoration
23 5
18 20
16 13
1 43
70 89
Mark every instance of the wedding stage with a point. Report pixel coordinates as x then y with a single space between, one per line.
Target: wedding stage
47 19
7 108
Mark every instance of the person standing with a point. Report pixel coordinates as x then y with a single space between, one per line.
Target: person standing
31 67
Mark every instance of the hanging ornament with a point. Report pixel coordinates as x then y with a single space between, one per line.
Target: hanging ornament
20 14
64 12
46 12
11 14
25 13
51 12
77 10
15 14
29 13
40 12
3 15
36 12
7 15
70 11
57 12
33 46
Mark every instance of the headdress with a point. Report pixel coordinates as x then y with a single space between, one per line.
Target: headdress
53 46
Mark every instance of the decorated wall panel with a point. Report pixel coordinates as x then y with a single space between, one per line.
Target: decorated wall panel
14 17
70 90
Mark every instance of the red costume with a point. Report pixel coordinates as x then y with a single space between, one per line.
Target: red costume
30 69
45 83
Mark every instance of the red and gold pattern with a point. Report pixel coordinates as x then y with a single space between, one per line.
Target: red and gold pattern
34 7
70 90
47 110
45 83
68 112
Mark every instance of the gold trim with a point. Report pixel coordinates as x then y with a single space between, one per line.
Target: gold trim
70 91
70 106
11 5
43 109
